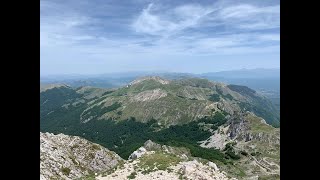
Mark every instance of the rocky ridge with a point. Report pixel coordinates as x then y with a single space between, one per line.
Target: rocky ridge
257 142
155 161
71 157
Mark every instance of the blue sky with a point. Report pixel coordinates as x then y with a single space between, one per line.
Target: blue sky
103 36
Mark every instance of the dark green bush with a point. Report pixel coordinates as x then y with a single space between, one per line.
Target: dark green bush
65 171
244 153
214 97
132 175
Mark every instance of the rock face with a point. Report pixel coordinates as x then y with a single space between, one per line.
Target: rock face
164 163
258 142
248 127
197 170
70 157
237 127
138 153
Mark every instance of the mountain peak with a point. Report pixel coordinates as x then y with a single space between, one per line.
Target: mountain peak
154 78
44 87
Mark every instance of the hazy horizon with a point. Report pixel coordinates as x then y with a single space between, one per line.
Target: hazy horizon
99 37
156 72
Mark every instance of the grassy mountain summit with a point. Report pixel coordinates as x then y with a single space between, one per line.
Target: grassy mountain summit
170 102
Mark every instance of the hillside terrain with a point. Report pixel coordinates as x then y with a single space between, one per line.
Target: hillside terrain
264 81
230 125
71 157
257 142
169 102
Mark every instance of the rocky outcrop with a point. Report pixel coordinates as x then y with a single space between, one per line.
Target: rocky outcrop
218 140
257 142
247 127
70 157
151 146
196 170
155 161
238 126
138 153
243 127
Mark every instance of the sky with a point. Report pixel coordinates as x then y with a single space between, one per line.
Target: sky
105 36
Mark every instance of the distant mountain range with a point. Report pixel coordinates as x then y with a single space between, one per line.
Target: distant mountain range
264 81
258 79
246 73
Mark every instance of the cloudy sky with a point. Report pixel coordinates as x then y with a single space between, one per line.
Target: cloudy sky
103 36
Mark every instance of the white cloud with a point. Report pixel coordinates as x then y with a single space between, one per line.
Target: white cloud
152 24
60 25
246 10
169 22
188 30
166 22
223 44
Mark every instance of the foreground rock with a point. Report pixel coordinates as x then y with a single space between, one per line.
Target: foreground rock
153 161
71 157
